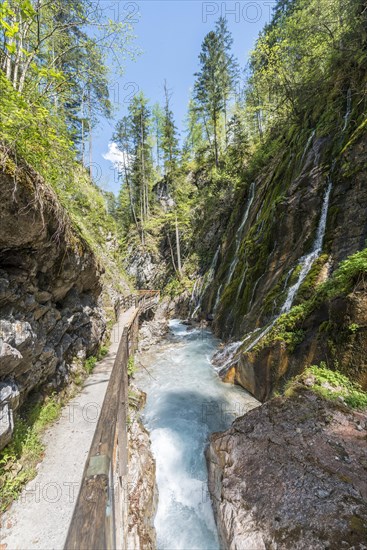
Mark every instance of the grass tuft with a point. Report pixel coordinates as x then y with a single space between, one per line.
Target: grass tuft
18 460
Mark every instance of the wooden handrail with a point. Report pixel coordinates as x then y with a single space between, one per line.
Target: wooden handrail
101 506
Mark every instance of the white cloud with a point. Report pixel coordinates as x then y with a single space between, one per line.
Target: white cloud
116 156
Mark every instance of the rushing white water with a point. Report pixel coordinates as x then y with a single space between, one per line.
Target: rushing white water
307 261
197 307
223 357
186 402
234 262
193 299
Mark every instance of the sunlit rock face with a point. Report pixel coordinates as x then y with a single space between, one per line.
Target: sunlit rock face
291 474
307 214
49 291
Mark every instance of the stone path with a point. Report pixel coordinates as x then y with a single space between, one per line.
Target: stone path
40 518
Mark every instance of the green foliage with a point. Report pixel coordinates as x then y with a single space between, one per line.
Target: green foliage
19 458
169 141
287 329
349 273
56 52
89 364
287 72
332 385
215 81
178 286
131 367
42 140
102 352
309 284
353 328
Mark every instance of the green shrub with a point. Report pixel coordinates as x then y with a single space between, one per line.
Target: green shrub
90 363
353 328
131 368
288 327
332 385
102 352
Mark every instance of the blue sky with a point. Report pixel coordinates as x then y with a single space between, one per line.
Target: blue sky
170 34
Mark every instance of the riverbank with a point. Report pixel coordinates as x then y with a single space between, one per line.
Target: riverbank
292 474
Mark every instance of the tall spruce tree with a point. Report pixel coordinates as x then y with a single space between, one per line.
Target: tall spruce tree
170 147
228 66
215 81
133 138
207 89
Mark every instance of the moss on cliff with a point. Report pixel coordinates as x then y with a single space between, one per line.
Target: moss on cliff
331 385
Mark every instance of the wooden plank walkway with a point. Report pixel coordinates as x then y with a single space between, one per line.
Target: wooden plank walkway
41 517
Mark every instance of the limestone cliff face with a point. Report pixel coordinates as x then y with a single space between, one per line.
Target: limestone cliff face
281 227
50 288
326 336
291 474
260 261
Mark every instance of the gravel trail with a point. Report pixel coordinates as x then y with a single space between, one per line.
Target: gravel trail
40 518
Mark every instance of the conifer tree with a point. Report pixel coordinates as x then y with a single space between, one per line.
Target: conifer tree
215 81
170 147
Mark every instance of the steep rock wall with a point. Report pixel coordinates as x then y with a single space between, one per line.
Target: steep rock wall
280 229
50 286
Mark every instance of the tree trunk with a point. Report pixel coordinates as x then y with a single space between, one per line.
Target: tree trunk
215 139
178 249
142 220
225 123
130 194
171 250
90 136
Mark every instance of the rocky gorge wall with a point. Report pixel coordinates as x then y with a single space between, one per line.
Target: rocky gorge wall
261 260
50 291
289 291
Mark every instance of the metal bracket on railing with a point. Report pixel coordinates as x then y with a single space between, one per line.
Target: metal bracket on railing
98 465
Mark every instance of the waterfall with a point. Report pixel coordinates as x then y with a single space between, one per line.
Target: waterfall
224 358
308 145
240 286
234 262
307 261
254 290
193 291
217 297
213 265
349 109
261 335
208 279
193 299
